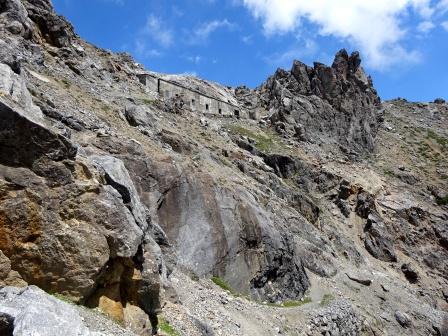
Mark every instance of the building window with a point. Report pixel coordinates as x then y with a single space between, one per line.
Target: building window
193 102
206 107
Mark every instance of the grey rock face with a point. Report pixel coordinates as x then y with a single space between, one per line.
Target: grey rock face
49 26
378 241
13 87
118 177
14 17
243 246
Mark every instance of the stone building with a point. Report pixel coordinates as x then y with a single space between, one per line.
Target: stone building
195 99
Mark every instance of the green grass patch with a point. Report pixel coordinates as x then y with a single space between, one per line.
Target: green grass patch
63 298
167 328
388 172
326 299
264 141
148 101
223 284
443 142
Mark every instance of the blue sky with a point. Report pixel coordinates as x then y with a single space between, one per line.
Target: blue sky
403 42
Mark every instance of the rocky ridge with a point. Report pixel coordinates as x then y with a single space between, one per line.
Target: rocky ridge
105 200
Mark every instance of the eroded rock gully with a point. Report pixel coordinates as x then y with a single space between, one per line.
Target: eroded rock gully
314 215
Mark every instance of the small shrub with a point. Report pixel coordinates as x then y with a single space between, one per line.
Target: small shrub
442 201
66 83
167 328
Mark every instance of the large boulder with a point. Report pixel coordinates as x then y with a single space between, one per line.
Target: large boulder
140 115
31 311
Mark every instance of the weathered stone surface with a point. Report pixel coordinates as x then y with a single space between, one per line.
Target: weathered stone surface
378 240
5 266
284 166
140 115
8 276
25 140
315 259
137 320
359 278
9 57
118 177
403 319
410 272
48 234
178 143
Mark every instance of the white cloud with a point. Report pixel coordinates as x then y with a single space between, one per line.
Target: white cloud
302 49
195 59
442 6
425 27
142 50
205 30
374 26
247 39
445 25
156 29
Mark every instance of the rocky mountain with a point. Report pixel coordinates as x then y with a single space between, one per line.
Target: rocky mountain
124 213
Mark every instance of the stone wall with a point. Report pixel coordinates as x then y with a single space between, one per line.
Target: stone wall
195 100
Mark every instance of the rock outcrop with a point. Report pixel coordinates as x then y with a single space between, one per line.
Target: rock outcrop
336 104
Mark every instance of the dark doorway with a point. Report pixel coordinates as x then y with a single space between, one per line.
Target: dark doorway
206 107
236 113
